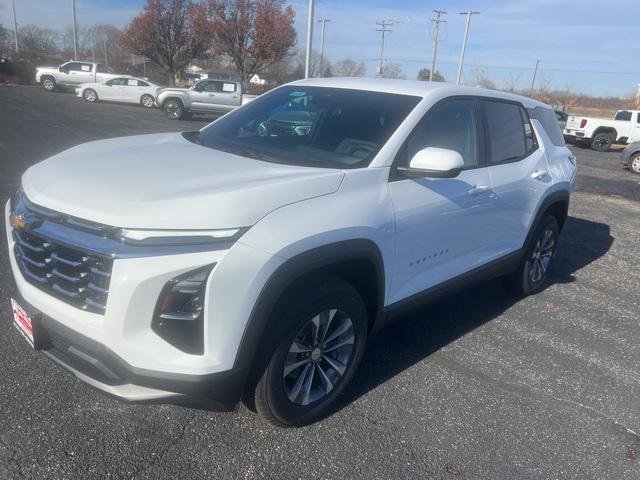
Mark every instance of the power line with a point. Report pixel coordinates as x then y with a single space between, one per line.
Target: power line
437 19
385 27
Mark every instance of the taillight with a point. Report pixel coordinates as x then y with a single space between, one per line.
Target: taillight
583 122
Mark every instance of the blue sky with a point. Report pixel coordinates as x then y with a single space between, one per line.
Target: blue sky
573 40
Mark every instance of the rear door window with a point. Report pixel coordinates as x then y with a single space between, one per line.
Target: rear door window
509 131
624 116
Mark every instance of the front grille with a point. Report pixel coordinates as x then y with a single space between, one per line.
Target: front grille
76 277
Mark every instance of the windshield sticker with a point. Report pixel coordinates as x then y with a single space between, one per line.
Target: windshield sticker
228 87
297 94
85 68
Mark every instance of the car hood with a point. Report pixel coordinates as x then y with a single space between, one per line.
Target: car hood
163 181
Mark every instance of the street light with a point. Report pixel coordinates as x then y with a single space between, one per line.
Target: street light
324 23
464 43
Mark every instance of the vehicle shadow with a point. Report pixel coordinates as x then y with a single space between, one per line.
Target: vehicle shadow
414 336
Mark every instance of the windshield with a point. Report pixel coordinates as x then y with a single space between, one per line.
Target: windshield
311 126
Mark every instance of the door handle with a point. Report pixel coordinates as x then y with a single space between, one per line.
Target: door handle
478 190
538 174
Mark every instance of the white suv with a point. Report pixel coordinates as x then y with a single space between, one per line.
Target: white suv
252 259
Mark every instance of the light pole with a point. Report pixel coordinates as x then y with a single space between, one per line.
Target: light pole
464 42
307 60
75 34
15 26
324 23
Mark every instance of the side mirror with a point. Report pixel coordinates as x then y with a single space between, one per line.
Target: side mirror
60 68
434 162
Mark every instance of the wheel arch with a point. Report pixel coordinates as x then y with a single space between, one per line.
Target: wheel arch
172 97
606 130
556 204
357 261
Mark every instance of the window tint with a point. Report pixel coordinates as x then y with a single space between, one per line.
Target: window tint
638 121
548 120
311 126
117 82
75 67
100 68
450 125
210 87
506 129
624 115
142 84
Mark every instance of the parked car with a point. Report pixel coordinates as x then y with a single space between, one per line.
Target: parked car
121 89
222 264
631 157
601 133
562 118
71 74
206 96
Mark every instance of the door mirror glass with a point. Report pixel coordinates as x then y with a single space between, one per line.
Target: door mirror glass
198 87
434 162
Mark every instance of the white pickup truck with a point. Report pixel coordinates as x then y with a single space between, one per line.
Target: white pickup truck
206 96
72 74
601 133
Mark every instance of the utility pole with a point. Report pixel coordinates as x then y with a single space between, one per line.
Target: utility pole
385 27
104 44
468 13
535 73
437 19
324 23
307 60
75 34
15 27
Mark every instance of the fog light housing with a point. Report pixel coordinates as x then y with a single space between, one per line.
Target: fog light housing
179 315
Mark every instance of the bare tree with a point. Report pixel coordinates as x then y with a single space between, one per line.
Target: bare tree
480 79
512 82
393 70
349 68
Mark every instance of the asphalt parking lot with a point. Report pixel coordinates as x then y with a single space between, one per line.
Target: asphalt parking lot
482 385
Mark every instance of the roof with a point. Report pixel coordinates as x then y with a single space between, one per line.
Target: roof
414 87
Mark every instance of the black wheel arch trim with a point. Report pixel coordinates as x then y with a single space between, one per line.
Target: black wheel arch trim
249 353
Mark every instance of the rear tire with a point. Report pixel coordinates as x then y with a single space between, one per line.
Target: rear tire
601 142
173 109
318 356
534 267
147 101
48 84
90 95
634 164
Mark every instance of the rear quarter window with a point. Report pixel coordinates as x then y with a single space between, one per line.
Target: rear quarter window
547 119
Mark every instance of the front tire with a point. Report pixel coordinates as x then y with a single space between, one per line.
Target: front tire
534 267
317 358
48 84
90 95
602 142
147 101
634 164
173 109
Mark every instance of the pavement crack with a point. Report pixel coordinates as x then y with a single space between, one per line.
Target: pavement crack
146 466
529 391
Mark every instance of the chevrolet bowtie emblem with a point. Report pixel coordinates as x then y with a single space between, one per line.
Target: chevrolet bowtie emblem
17 221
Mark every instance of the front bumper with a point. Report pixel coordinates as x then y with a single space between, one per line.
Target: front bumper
100 368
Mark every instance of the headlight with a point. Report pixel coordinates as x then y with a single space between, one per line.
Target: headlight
179 313
179 237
